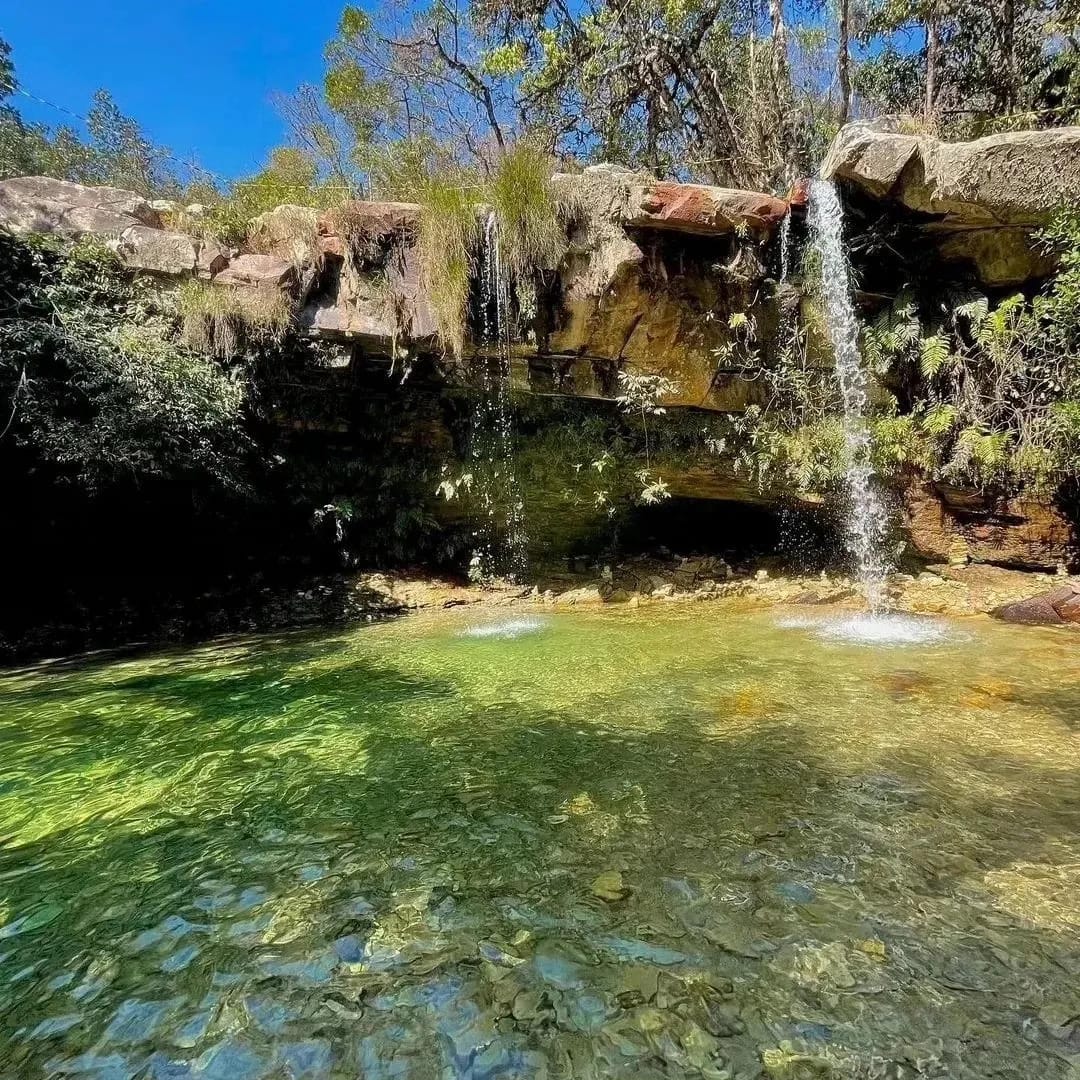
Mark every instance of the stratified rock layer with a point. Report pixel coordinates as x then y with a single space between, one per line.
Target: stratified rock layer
948 523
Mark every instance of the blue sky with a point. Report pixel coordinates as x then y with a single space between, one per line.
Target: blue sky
197 74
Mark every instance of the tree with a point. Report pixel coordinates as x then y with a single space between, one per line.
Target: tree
398 87
696 88
980 66
7 70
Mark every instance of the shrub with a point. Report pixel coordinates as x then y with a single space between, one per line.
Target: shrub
101 388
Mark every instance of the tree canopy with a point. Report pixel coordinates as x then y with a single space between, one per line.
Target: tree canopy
741 92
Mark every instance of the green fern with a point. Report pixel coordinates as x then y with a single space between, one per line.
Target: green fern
939 421
935 355
971 306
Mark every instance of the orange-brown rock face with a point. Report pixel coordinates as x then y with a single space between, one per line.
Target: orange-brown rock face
949 523
703 210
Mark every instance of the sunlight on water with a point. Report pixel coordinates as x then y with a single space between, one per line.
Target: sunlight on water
507 628
869 629
686 843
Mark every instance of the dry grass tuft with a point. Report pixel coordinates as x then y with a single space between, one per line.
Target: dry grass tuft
288 232
222 320
445 245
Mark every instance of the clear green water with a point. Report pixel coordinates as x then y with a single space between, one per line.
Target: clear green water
372 854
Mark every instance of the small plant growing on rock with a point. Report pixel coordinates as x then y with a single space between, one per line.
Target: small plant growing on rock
642 393
223 321
531 220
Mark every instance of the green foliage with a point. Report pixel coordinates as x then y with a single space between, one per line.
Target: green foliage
531 230
531 223
290 178
935 355
996 66
7 70
992 386
101 390
804 457
893 335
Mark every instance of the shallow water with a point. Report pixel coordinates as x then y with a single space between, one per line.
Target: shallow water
378 853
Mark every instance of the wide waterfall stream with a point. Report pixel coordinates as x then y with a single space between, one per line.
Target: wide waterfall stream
867 516
681 843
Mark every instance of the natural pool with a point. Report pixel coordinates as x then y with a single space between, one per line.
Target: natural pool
681 842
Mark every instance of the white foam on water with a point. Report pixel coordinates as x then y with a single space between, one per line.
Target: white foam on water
883 630
507 628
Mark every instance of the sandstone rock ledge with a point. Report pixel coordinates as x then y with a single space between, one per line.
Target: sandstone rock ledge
982 200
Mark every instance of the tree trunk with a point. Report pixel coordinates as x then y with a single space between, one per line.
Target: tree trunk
784 140
933 49
843 63
1008 34
779 44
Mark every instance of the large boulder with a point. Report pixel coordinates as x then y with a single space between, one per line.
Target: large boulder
1002 257
156 251
872 154
1057 607
366 316
372 290
1016 178
982 199
40 204
257 271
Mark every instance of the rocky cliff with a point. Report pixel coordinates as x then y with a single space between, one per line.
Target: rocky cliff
655 277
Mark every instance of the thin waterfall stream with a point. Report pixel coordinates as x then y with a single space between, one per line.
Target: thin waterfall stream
502 543
785 245
867 515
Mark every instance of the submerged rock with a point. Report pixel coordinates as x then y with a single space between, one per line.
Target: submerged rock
609 886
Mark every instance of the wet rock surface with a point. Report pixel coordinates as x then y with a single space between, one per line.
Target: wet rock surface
1055 607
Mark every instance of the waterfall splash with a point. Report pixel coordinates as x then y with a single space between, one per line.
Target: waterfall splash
785 245
502 543
868 519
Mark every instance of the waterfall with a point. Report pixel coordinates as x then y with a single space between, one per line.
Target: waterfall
868 519
785 245
502 541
